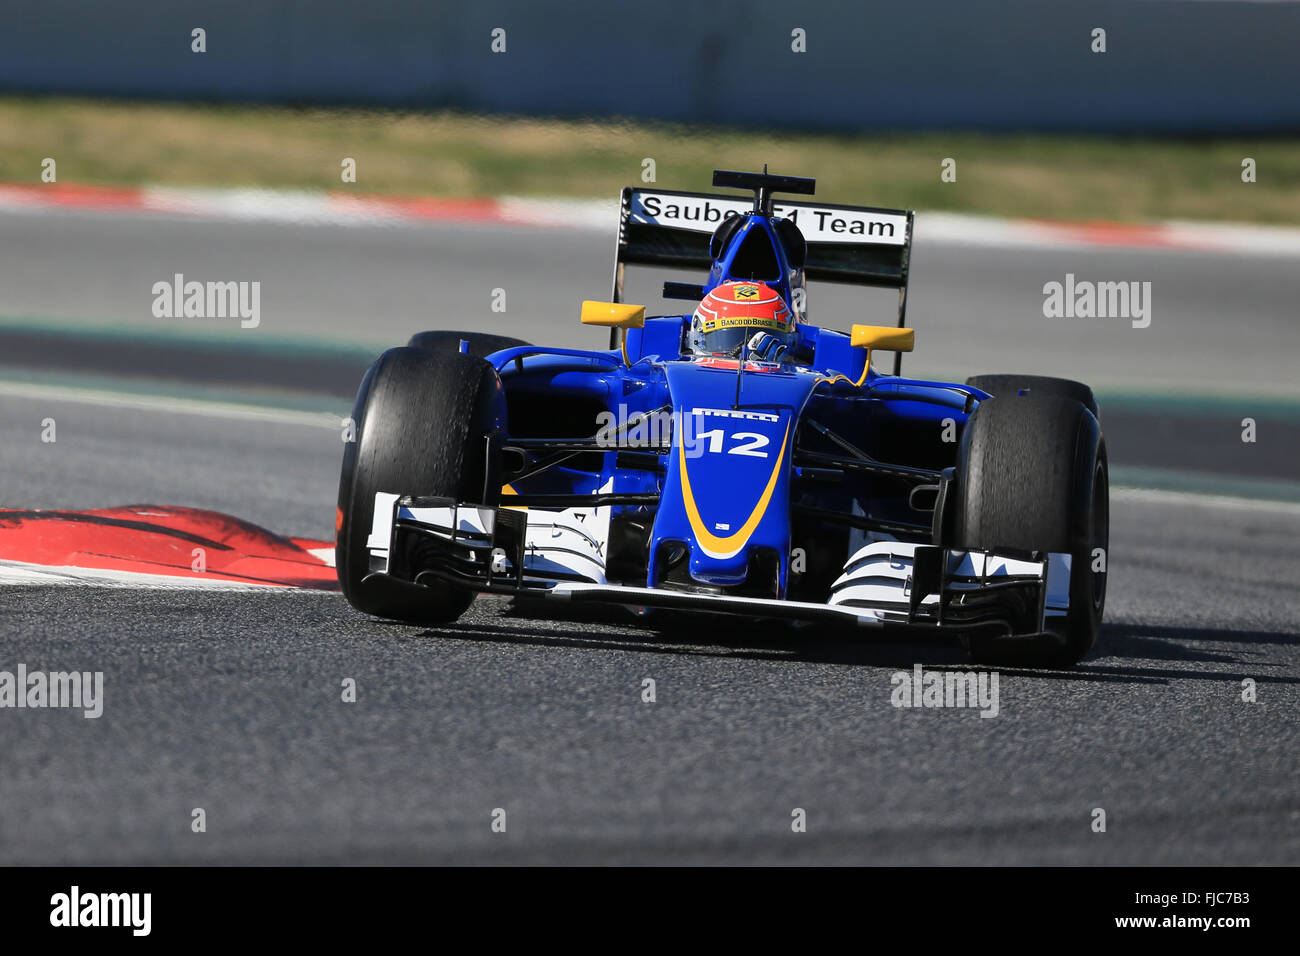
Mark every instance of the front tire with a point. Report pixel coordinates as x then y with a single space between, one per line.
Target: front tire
1032 475
1039 386
481 344
426 424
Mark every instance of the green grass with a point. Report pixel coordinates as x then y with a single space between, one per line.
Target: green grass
450 154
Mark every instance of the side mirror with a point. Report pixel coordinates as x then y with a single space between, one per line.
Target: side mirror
889 338
617 315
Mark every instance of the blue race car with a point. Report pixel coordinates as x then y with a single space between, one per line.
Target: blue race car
734 459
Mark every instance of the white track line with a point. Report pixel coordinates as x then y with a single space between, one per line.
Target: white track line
323 555
23 573
173 405
1203 500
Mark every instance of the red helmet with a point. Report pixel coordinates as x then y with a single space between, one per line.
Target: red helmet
734 312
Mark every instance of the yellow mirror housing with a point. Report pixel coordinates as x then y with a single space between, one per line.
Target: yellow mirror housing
887 337
618 315
890 338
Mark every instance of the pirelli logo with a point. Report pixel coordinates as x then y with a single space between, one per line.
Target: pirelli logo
743 414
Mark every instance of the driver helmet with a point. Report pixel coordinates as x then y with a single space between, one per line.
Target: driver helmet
743 315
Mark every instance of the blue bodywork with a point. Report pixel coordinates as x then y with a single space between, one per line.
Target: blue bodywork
754 493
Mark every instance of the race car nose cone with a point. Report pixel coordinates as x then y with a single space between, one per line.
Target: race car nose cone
722 571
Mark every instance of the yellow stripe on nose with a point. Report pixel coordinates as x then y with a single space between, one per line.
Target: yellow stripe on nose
730 546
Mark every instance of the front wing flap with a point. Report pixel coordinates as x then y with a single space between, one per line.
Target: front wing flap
560 555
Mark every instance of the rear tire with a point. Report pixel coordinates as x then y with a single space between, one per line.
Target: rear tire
426 424
1032 476
481 344
1038 386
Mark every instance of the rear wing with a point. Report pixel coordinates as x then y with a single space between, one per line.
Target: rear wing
860 245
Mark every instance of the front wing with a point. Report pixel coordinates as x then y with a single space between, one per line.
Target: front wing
560 556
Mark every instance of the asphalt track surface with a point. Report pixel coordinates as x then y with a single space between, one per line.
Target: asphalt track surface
231 701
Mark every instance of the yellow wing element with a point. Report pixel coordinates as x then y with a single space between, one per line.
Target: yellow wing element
618 315
888 338
714 546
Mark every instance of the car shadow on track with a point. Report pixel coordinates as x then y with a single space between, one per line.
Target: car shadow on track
598 629
595 627
791 646
1148 642
1126 632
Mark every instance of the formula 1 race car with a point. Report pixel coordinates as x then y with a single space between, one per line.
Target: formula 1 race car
735 459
